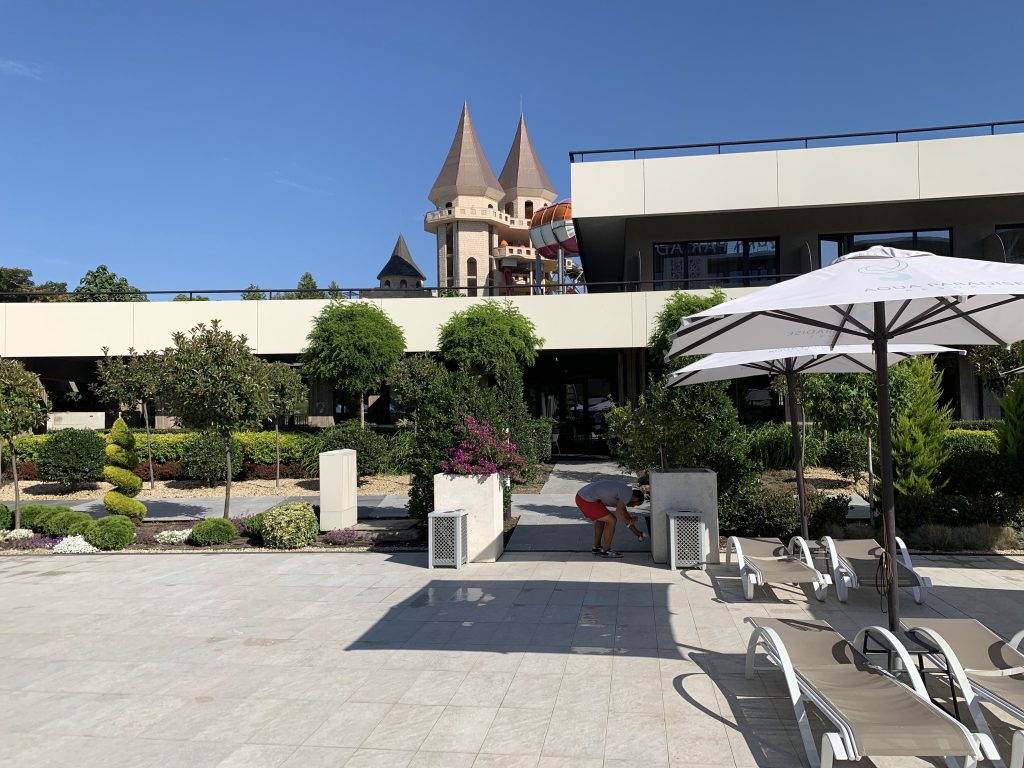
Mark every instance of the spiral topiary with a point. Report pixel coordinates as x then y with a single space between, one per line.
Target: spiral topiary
122 459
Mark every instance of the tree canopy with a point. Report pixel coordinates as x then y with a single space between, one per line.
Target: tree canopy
991 361
678 306
101 284
489 339
189 297
286 391
15 280
215 383
253 293
124 382
353 346
22 408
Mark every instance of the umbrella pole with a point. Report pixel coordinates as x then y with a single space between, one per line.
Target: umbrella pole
885 460
798 453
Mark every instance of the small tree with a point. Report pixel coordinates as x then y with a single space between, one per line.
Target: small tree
1011 430
15 280
22 408
489 339
353 346
126 383
666 322
101 284
253 293
919 431
214 382
288 396
305 289
188 297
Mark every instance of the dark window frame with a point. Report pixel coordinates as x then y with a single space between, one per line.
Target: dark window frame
846 238
743 280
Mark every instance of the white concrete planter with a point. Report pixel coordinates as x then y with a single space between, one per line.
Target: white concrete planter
692 489
480 496
338 481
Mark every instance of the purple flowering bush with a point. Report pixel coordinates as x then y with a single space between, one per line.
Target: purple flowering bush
31 542
482 452
340 536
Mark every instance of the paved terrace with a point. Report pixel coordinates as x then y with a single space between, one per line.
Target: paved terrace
539 661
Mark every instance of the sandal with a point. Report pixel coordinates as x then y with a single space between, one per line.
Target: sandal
610 553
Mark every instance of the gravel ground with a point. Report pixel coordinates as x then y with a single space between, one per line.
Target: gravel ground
376 485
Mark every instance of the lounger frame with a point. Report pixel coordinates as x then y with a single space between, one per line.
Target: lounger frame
845 578
974 692
752 576
841 744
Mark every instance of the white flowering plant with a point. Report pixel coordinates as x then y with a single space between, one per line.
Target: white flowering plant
74 545
173 537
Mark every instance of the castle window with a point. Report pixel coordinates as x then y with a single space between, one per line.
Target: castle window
510 209
529 209
387 283
403 284
448 205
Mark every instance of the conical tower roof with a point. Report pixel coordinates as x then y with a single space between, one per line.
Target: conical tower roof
465 170
401 264
523 173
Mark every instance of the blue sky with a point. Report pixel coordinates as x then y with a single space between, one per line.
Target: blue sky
194 144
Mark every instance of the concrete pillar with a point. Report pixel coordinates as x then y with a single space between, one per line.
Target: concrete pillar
480 496
691 489
338 479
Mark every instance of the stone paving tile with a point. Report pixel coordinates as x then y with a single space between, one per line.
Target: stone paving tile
543 659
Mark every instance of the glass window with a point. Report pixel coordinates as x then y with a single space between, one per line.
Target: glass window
862 242
829 249
1013 242
937 241
709 263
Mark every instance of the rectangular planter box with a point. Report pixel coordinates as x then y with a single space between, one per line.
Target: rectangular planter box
690 489
480 496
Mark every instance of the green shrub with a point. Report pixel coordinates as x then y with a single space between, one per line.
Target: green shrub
982 425
49 524
6 518
71 457
973 466
28 446
919 428
771 446
289 526
253 526
772 512
65 522
846 453
1011 435
915 511
258 447
978 538
34 516
117 503
119 456
370 447
541 432
204 458
212 532
111 532
398 454
169 446
127 482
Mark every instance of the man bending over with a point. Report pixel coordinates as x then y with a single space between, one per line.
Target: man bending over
605 502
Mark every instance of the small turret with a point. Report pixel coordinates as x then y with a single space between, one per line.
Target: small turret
526 184
466 172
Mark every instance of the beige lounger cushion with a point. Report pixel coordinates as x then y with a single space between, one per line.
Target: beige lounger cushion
886 718
982 654
772 559
862 555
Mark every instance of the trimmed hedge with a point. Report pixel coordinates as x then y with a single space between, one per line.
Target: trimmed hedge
204 458
369 446
111 533
127 481
65 522
33 515
6 518
913 512
72 456
209 533
974 466
289 526
984 425
770 512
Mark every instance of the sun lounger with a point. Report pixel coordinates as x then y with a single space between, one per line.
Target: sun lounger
767 561
853 561
874 714
983 666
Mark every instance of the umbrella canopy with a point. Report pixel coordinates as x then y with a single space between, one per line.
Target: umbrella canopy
853 358
878 295
850 358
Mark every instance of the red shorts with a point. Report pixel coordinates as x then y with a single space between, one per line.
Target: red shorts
592 510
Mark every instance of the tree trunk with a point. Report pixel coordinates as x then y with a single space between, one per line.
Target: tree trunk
17 494
362 411
277 453
149 446
227 488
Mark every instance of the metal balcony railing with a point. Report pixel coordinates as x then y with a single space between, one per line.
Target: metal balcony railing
805 142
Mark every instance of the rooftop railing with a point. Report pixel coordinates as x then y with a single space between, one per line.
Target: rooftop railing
804 142
444 291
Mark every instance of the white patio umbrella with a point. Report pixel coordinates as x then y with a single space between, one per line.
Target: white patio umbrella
851 358
878 295
1013 372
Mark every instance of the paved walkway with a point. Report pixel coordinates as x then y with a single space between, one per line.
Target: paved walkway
302 660
550 522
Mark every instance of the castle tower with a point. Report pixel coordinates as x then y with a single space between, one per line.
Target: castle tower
401 271
526 184
466 195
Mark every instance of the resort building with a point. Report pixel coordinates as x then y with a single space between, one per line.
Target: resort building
647 222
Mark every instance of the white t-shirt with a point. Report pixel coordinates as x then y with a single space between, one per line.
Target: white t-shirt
608 492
